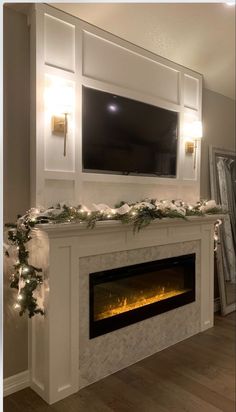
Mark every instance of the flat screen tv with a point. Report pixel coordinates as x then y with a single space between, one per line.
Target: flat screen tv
125 136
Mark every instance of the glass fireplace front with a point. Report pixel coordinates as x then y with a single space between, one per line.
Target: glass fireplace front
120 297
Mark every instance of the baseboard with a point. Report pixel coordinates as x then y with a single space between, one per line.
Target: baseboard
217 305
15 383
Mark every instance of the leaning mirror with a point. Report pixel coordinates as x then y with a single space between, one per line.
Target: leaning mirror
223 190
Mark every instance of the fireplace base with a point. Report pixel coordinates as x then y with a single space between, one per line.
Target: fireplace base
62 357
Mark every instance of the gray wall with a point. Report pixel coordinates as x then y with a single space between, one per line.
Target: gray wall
219 130
218 118
16 169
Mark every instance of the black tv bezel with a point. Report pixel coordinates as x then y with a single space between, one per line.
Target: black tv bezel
127 173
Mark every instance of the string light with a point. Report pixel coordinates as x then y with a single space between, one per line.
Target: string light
25 270
145 212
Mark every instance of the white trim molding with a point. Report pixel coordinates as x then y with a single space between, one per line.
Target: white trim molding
15 383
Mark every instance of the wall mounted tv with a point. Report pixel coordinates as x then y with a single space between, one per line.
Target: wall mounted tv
125 136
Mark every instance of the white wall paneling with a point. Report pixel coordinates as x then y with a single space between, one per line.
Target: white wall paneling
57 190
72 53
59 43
109 62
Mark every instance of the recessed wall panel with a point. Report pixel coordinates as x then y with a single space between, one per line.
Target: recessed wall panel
191 92
59 43
57 191
113 64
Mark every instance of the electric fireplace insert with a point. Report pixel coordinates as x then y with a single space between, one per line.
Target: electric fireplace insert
123 296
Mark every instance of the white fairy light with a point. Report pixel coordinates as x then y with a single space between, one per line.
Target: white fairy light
17 306
27 281
20 297
89 213
25 270
133 213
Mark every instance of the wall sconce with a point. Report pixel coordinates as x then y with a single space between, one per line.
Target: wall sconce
59 98
192 133
60 126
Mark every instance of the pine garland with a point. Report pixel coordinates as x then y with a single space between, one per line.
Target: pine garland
28 279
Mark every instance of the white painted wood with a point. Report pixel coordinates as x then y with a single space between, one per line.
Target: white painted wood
59 190
54 339
80 54
191 92
59 43
106 61
207 277
16 383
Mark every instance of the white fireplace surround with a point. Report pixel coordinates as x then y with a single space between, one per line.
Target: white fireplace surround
62 358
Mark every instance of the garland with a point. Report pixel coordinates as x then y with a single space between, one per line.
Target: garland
28 279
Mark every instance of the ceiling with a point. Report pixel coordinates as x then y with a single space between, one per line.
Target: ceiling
200 36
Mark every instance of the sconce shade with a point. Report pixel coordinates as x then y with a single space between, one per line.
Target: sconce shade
59 99
193 130
197 130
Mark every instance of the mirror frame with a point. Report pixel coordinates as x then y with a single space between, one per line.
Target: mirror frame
214 152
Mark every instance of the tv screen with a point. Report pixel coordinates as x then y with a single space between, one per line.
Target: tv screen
125 136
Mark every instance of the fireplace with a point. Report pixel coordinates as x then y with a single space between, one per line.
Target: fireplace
123 296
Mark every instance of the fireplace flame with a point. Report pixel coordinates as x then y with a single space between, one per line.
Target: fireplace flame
122 305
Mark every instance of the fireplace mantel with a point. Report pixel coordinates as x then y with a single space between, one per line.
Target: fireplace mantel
59 345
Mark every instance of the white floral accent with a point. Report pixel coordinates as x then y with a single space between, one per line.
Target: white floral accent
85 208
101 207
160 205
123 209
211 204
142 205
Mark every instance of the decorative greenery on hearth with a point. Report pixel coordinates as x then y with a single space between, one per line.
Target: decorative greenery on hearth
28 279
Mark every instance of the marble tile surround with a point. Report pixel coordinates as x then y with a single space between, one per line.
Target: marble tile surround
106 354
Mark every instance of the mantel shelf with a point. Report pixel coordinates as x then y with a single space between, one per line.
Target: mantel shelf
114 225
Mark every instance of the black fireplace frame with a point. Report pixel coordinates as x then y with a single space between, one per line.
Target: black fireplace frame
103 326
